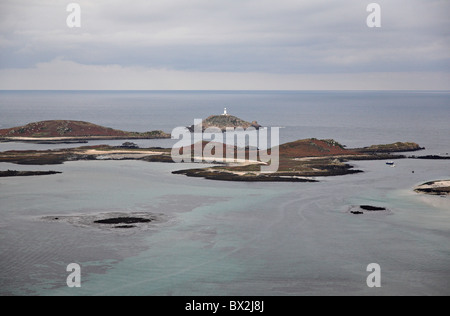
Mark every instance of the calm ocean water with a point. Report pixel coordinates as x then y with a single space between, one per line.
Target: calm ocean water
352 118
230 238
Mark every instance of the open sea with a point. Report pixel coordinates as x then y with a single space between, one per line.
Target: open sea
229 238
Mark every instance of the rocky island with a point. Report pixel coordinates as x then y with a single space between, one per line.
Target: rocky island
440 187
396 147
225 121
300 161
101 152
58 131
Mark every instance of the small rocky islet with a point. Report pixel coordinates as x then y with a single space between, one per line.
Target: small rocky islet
368 209
438 187
110 221
222 122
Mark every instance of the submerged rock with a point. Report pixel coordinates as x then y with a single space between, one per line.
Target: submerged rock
112 221
123 220
372 208
368 209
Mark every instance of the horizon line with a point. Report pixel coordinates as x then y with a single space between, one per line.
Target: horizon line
224 90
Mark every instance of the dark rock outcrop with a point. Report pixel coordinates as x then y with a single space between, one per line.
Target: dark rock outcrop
123 220
13 173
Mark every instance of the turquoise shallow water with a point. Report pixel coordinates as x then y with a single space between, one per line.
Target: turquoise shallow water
222 238
225 238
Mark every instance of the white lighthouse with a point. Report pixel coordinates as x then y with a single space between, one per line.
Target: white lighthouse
225 112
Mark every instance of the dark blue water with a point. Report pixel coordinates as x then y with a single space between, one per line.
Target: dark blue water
352 118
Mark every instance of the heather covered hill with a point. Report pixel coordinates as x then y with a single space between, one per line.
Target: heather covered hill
73 129
313 148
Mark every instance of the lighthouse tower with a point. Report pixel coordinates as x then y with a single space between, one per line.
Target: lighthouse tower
225 112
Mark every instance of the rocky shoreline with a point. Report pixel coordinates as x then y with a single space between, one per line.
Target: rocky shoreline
80 139
102 152
299 161
228 176
432 157
439 187
14 173
302 161
390 148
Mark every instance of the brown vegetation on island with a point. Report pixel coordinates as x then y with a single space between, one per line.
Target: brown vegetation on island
222 122
298 161
391 148
60 129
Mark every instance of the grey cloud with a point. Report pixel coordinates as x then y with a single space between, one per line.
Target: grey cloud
283 36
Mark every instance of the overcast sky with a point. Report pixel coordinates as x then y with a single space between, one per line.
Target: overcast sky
225 44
